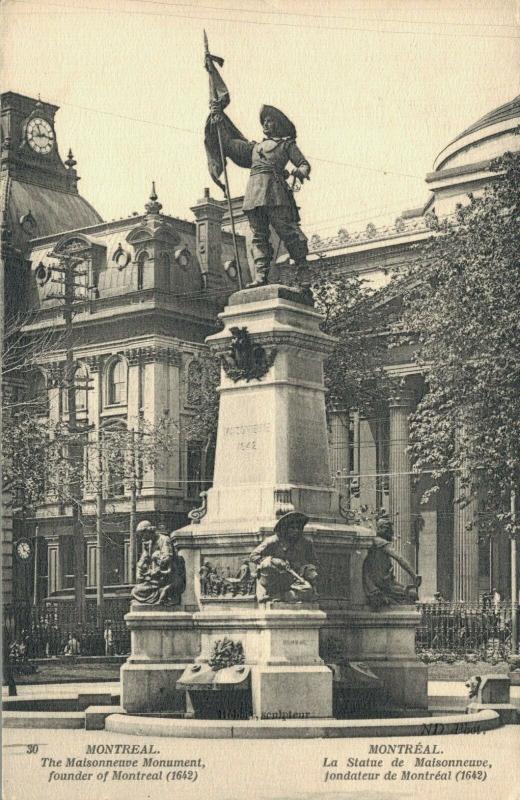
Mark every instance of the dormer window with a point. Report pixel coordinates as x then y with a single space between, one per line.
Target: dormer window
141 265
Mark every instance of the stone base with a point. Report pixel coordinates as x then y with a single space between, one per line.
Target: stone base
281 646
271 634
405 682
301 729
291 692
514 677
164 642
150 688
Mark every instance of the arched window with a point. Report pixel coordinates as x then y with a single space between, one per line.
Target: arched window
141 265
116 383
166 269
115 456
81 386
80 379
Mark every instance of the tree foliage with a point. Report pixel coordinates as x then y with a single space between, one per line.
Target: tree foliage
203 400
353 315
43 459
461 300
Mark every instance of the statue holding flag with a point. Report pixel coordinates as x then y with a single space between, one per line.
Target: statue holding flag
268 200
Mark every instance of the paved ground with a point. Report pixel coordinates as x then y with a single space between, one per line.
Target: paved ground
256 770
73 671
462 670
58 672
435 689
63 689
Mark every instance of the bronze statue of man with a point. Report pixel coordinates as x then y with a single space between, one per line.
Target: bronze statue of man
268 200
286 563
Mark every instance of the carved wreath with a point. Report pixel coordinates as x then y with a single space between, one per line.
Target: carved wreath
246 360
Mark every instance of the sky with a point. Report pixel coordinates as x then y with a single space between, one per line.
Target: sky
376 89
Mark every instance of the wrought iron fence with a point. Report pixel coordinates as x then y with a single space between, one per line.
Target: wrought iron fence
463 630
30 633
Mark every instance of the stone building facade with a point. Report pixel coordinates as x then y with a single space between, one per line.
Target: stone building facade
369 457
150 287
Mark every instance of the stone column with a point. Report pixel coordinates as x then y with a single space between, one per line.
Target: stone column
400 406
465 547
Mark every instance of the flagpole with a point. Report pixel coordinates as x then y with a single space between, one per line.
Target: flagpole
230 208
226 181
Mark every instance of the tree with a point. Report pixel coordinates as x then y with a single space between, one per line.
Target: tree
25 450
117 459
355 316
460 309
203 398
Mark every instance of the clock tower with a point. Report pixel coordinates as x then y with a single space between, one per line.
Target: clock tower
29 149
39 192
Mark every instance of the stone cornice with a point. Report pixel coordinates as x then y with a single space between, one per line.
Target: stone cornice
151 354
280 339
93 362
370 235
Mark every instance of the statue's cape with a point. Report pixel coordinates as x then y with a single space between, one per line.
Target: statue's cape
211 144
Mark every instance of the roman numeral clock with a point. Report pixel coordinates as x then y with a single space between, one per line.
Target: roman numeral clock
29 149
39 135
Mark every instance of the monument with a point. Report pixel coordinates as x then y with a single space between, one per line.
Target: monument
283 600
271 564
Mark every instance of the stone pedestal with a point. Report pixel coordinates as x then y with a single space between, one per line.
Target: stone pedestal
271 458
163 643
272 451
281 646
385 641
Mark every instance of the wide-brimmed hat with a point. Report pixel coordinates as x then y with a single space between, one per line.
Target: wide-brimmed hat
295 516
144 525
284 125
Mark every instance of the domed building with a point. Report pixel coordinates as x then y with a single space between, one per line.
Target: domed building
463 165
38 190
369 456
38 196
151 286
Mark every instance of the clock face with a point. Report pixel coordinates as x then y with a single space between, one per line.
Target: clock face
40 135
23 549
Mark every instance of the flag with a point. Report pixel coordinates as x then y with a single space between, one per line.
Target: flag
217 91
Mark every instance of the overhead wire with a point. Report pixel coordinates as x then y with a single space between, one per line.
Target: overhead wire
277 12
263 23
194 132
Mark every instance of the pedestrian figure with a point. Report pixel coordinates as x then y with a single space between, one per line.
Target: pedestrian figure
109 638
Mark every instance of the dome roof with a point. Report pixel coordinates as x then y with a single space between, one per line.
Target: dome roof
508 111
51 211
488 137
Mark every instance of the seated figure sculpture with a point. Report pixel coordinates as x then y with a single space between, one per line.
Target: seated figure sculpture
160 571
285 561
381 587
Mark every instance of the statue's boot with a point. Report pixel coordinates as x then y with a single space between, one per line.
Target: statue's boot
303 275
303 281
262 277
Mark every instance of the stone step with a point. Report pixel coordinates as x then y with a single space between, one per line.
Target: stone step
303 729
95 716
43 719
